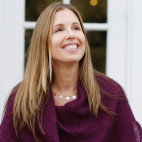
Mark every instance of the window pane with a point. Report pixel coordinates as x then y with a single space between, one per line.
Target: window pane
35 7
91 13
97 42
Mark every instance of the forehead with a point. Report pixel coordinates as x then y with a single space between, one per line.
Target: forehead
65 16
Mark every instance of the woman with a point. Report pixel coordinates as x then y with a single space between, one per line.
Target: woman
61 97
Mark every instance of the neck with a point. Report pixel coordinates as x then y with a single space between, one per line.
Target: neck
65 76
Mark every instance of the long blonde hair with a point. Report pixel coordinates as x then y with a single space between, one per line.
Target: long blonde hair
36 84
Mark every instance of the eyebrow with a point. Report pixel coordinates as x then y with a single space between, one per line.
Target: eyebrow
74 23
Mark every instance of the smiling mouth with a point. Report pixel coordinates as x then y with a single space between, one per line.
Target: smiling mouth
71 46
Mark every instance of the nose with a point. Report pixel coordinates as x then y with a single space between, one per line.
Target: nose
70 34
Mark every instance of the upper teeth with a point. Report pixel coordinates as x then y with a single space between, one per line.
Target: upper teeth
71 46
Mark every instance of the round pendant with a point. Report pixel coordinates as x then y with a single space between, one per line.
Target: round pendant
67 98
60 96
74 97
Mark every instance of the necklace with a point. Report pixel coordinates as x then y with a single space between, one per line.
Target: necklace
67 97
61 96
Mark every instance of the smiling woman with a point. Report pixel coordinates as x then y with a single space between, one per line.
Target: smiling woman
67 49
62 98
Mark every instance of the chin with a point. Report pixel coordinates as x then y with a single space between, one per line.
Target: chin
68 59
73 60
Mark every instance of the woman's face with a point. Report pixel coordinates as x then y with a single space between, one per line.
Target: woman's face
67 40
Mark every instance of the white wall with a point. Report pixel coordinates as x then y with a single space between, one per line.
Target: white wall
11 46
116 41
124 49
137 60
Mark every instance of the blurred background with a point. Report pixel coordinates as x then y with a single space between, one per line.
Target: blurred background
113 30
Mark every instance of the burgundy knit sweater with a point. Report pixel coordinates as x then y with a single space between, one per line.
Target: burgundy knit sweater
72 122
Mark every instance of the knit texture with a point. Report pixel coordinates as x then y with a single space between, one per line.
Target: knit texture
72 122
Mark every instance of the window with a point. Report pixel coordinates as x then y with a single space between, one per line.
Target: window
94 24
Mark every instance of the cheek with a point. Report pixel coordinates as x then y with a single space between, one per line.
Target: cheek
56 41
53 42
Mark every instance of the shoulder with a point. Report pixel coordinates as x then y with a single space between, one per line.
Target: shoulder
7 131
8 109
10 101
112 94
114 97
109 85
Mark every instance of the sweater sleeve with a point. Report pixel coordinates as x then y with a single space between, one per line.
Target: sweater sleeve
7 132
125 127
